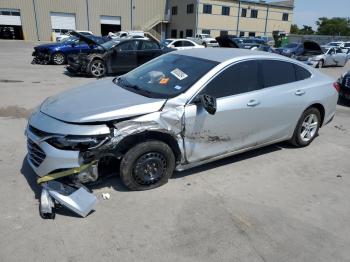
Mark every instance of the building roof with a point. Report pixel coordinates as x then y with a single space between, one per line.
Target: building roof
224 54
287 3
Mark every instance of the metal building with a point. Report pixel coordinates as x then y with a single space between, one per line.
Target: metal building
38 19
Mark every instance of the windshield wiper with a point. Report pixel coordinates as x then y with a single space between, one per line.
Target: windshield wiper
124 83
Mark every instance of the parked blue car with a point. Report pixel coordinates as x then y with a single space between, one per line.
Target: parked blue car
56 53
290 50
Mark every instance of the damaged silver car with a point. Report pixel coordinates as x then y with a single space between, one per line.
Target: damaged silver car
178 111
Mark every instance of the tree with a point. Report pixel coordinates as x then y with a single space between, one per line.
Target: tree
333 26
294 29
306 30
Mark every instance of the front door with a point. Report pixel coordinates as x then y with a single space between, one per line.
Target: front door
257 102
234 125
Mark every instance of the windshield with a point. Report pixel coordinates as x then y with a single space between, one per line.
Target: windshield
290 45
165 42
333 44
110 44
166 76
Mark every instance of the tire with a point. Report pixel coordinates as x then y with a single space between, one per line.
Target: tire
142 160
205 45
307 128
320 64
97 68
58 58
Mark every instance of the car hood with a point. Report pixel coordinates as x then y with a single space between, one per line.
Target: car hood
89 41
209 39
47 46
312 46
99 101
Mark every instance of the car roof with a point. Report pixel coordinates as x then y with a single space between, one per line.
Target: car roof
178 39
225 54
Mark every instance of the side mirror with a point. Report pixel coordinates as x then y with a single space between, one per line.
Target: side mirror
208 102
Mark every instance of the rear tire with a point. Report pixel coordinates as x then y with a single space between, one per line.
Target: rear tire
307 128
147 165
97 68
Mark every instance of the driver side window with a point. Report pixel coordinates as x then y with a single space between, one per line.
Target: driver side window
236 79
178 44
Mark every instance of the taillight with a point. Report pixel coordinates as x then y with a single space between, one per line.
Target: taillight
337 86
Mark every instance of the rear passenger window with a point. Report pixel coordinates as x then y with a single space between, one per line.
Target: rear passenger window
277 72
146 45
237 79
301 73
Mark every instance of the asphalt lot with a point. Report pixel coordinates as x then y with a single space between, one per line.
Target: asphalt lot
274 204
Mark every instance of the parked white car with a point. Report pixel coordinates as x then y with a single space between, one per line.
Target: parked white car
205 40
126 34
64 37
180 44
333 56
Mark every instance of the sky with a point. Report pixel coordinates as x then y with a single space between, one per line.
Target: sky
307 12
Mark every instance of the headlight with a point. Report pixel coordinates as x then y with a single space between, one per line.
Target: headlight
76 142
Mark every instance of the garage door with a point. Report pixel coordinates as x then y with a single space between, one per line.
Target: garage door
10 24
10 17
110 24
62 22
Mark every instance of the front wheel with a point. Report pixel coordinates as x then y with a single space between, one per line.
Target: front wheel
147 165
307 128
205 45
58 59
97 68
320 64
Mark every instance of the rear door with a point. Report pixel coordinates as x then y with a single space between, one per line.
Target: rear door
187 44
147 50
123 57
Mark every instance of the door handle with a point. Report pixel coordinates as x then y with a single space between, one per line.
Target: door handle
253 103
300 93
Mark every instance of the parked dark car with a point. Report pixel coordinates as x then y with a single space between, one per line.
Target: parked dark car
56 53
344 85
290 50
251 43
227 41
115 57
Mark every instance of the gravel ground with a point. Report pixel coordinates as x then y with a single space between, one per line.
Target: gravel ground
277 203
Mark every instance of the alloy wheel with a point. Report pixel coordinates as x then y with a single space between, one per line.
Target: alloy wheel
309 128
58 59
97 69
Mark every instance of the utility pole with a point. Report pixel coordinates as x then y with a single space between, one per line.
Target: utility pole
36 21
238 17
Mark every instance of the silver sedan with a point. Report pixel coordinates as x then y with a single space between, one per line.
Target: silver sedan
177 111
332 56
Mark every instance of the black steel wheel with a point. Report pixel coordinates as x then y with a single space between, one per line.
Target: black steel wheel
147 165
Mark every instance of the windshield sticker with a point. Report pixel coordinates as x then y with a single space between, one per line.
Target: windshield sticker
178 87
164 81
179 74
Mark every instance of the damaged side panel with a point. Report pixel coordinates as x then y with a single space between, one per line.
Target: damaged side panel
168 122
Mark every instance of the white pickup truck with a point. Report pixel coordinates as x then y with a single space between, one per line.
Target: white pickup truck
205 40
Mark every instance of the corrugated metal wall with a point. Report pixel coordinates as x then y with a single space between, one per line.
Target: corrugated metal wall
145 12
